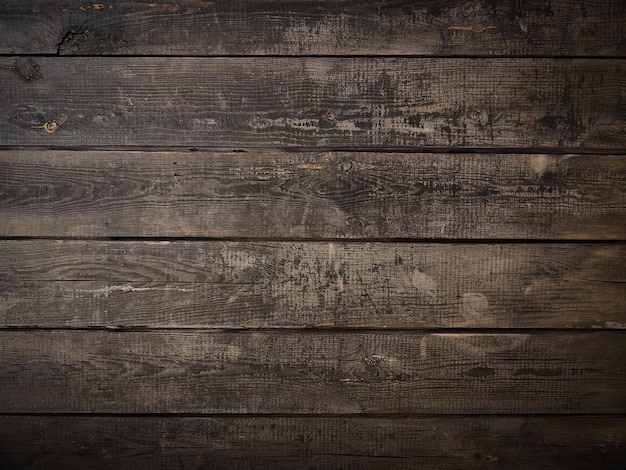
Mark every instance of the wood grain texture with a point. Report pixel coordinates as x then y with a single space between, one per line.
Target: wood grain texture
312 308
48 283
321 27
36 442
311 195
314 102
311 372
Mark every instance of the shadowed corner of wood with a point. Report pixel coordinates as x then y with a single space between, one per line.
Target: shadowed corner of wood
310 166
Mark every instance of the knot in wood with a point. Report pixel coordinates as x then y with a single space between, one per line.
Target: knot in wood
27 69
356 222
327 120
343 166
478 116
50 127
375 359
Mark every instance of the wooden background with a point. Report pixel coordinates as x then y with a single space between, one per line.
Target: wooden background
327 234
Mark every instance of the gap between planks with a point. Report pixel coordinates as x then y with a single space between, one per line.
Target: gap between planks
431 241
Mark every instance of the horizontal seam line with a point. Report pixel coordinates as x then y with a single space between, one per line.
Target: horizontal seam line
323 56
280 330
364 415
297 149
277 240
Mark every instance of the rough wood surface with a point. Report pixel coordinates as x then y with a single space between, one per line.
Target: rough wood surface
312 195
50 283
314 102
303 312
311 372
480 442
320 27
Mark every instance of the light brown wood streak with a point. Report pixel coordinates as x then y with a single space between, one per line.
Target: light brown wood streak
445 442
314 102
311 284
312 195
320 27
305 372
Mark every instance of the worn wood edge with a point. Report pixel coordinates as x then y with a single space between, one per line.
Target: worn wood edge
562 28
287 372
268 442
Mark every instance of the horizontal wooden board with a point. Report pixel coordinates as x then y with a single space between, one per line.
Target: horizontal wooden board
50 283
311 195
313 102
320 27
311 372
39 442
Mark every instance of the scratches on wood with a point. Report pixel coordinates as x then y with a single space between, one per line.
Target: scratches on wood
318 102
321 27
310 166
312 195
285 372
293 285
333 330
472 28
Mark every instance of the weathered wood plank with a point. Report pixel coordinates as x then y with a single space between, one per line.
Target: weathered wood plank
312 195
459 442
49 283
320 372
314 102
321 27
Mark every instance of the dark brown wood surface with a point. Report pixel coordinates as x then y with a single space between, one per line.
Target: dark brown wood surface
312 195
444 442
352 103
184 284
311 372
328 234
320 27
